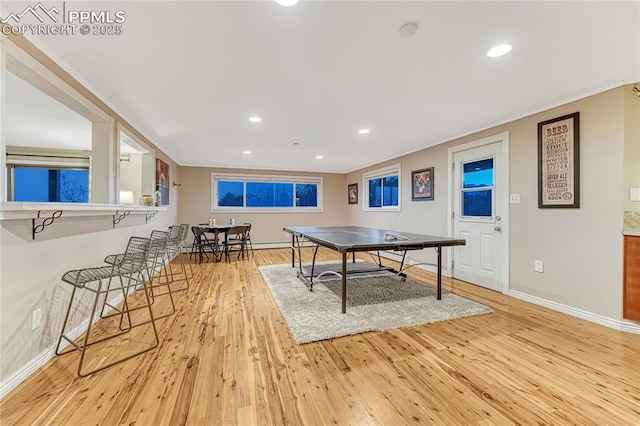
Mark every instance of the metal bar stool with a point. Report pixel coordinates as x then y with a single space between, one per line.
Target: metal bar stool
130 273
156 262
175 246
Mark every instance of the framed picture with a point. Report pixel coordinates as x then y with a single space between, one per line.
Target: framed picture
422 184
352 192
162 181
559 162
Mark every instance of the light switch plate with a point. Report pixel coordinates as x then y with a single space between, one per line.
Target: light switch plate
514 198
634 194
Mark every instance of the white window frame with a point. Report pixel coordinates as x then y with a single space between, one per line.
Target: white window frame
487 219
215 177
392 170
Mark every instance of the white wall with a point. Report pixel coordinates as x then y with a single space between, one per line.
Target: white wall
581 248
30 272
195 204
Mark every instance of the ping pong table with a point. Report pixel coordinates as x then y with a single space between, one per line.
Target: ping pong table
352 239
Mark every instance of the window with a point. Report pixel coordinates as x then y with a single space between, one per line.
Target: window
40 175
50 185
477 188
265 193
383 189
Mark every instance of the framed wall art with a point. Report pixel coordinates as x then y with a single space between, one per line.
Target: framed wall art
559 162
162 181
422 184
352 192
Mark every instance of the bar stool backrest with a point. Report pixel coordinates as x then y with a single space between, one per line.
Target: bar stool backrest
135 256
158 243
175 234
184 231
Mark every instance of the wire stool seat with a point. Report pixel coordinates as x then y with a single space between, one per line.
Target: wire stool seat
97 280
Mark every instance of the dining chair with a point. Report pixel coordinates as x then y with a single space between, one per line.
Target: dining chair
235 240
202 245
249 246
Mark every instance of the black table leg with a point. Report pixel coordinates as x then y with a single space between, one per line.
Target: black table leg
439 250
344 282
293 252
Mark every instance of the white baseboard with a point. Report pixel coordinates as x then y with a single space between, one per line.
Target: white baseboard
21 375
259 246
34 364
621 325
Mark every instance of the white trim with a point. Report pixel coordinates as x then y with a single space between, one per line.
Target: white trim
621 325
391 170
504 139
266 178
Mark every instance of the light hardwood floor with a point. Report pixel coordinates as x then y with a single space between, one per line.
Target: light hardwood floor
226 358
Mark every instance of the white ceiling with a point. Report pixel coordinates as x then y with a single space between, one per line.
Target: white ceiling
189 74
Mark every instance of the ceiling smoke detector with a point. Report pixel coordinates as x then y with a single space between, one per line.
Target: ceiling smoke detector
408 29
287 2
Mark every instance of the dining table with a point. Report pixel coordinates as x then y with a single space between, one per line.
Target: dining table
217 230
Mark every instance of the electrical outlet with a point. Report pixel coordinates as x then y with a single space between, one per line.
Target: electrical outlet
514 198
36 318
538 266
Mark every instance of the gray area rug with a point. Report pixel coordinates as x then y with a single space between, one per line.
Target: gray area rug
375 302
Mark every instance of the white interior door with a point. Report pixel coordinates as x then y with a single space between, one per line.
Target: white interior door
477 215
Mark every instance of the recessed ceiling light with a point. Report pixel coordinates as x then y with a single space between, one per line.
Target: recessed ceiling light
246 151
255 119
287 2
363 131
319 157
500 50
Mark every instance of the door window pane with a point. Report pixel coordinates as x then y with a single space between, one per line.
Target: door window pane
477 203
230 193
478 174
